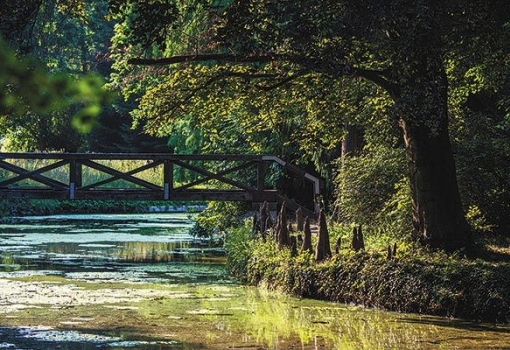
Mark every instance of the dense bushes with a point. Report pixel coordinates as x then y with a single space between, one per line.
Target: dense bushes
483 165
238 244
431 283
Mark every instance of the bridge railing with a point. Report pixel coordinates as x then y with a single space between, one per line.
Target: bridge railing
227 185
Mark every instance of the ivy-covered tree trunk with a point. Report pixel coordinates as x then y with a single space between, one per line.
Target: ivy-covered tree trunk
438 216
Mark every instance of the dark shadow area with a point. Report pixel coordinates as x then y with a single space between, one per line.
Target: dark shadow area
90 339
455 323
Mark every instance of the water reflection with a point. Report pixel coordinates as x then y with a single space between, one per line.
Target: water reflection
144 283
88 247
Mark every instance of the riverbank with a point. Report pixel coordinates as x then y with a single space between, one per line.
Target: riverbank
55 207
413 282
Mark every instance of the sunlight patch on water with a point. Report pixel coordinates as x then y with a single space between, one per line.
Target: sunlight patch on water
55 294
109 217
29 273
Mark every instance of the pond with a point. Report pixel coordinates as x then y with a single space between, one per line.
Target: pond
142 282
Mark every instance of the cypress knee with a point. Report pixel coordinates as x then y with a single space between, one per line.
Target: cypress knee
293 246
282 230
263 218
338 245
269 226
299 219
323 248
355 243
268 211
307 237
255 226
361 240
276 230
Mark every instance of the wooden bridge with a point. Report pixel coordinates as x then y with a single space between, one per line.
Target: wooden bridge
216 177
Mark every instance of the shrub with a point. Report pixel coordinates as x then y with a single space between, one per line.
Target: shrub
238 245
373 190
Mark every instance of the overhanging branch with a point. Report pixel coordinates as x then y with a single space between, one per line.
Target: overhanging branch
203 58
377 78
310 65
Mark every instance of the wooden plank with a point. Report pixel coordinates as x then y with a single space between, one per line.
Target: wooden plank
221 173
117 177
34 175
120 174
213 176
73 176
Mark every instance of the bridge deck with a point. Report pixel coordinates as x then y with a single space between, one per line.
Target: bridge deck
216 177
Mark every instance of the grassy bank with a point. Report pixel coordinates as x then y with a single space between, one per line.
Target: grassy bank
52 207
416 281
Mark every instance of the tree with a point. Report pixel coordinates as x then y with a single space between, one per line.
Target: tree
51 97
69 39
402 47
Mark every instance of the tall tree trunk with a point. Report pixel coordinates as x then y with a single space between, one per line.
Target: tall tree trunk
438 217
352 142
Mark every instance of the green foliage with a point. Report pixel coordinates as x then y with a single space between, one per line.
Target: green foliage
477 220
373 191
238 245
220 216
481 133
71 39
291 71
10 208
32 98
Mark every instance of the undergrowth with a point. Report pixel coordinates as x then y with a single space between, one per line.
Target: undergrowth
417 281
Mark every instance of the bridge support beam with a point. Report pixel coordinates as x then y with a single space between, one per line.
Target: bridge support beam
75 177
168 179
261 176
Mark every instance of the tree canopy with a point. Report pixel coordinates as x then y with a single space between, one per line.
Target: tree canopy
427 81
307 61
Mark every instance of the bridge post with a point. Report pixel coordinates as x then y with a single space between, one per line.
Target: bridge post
261 175
75 177
168 178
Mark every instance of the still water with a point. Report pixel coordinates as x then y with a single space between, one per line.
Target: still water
142 282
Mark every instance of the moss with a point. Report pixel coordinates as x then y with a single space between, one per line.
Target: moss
432 283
